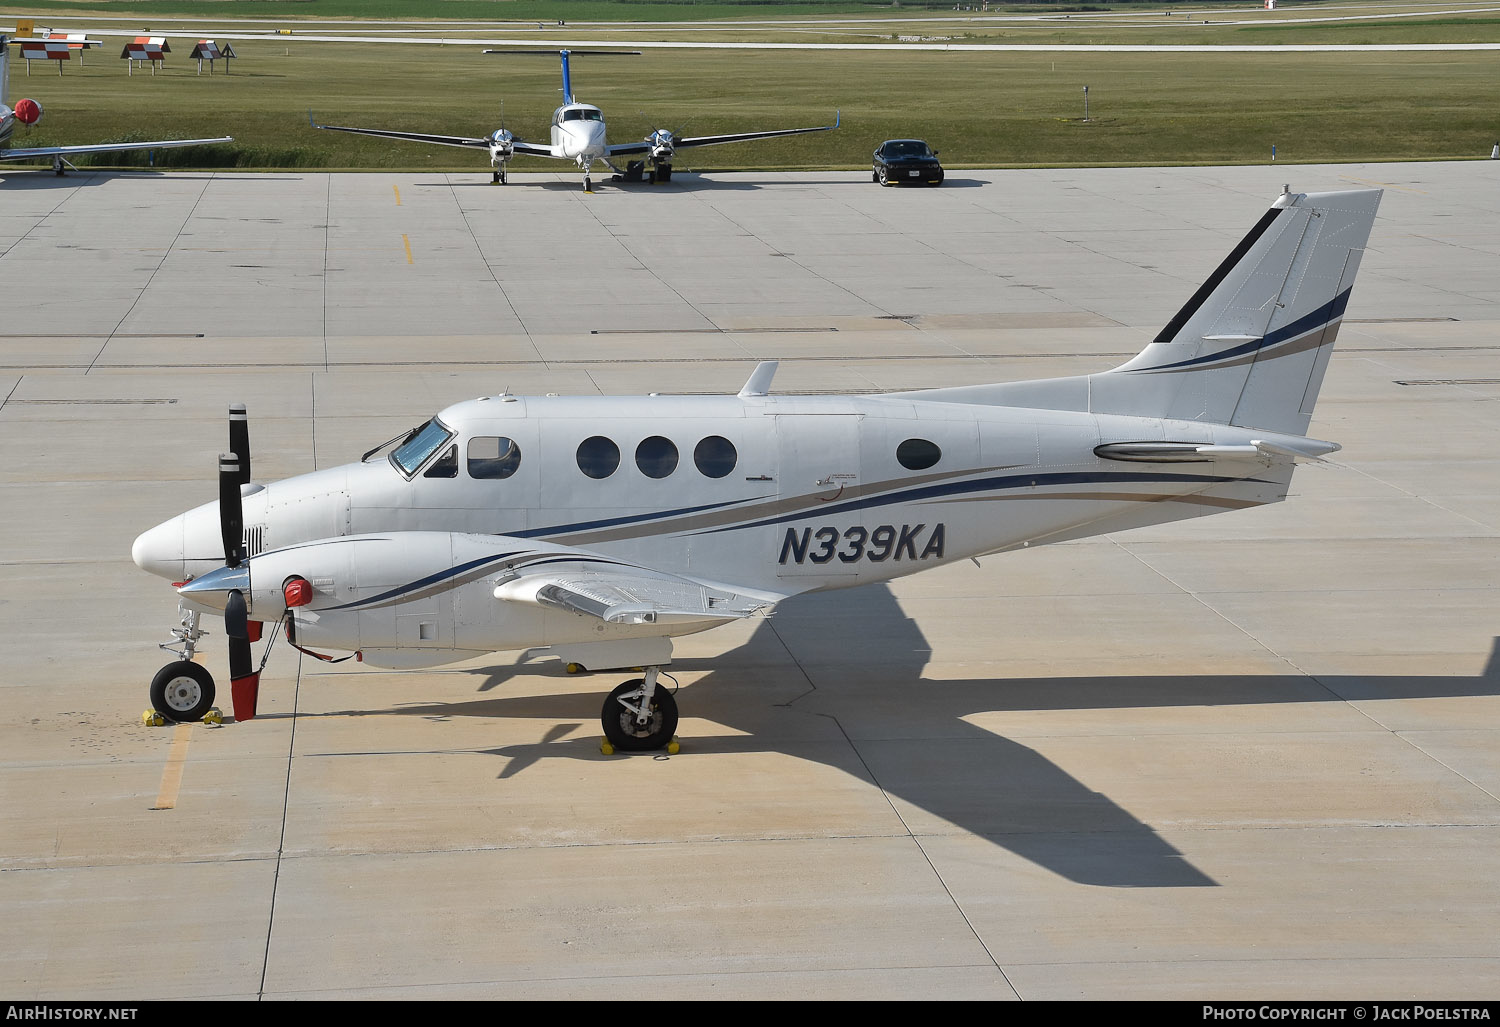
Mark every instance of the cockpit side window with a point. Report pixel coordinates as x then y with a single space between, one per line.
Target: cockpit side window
493 456
445 466
424 442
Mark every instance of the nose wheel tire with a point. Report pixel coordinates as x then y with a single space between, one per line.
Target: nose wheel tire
622 727
184 692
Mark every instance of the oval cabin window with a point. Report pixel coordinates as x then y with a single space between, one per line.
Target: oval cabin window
918 454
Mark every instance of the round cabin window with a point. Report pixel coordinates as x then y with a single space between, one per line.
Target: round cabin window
598 457
715 456
656 457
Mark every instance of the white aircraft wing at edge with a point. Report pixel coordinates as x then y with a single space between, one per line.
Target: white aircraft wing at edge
63 151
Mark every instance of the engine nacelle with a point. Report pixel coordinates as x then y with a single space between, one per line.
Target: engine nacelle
28 112
502 146
663 146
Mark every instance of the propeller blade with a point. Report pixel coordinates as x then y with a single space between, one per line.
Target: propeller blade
237 627
244 679
231 511
239 439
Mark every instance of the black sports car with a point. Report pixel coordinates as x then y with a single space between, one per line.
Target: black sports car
907 160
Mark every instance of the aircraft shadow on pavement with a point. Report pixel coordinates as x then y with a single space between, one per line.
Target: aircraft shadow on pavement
912 738
39 177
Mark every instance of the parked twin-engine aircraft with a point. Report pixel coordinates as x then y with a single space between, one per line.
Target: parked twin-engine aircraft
596 528
578 135
28 112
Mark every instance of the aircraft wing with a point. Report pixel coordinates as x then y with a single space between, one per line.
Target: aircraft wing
64 151
620 594
645 146
481 142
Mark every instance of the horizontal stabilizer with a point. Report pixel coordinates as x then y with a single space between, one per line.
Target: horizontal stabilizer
1298 448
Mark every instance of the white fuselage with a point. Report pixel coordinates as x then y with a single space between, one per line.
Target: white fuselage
779 494
578 132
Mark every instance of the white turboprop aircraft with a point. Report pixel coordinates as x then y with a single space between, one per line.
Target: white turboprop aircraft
29 112
578 136
594 529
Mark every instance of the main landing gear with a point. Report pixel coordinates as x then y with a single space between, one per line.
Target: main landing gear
640 715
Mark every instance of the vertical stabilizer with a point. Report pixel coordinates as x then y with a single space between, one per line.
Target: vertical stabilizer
1251 345
567 79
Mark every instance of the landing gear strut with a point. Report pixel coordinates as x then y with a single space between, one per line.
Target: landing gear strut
183 691
499 178
639 715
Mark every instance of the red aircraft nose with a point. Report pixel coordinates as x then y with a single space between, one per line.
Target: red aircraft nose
28 112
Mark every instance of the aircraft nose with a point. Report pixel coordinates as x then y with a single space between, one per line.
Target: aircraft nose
159 551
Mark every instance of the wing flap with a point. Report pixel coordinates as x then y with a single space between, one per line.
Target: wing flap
630 595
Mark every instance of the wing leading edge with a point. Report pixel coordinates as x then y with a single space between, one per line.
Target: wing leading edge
64 151
645 146
479 142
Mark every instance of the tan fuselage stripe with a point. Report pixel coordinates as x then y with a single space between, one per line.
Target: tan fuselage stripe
1196 498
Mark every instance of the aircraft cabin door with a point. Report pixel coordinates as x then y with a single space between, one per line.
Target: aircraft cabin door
824 534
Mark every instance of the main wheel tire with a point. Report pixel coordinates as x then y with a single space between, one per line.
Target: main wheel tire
620 725
182 692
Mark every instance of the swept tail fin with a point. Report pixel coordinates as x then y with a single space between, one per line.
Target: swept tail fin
1251 345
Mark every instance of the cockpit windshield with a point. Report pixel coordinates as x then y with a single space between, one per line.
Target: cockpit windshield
422 443
582 114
